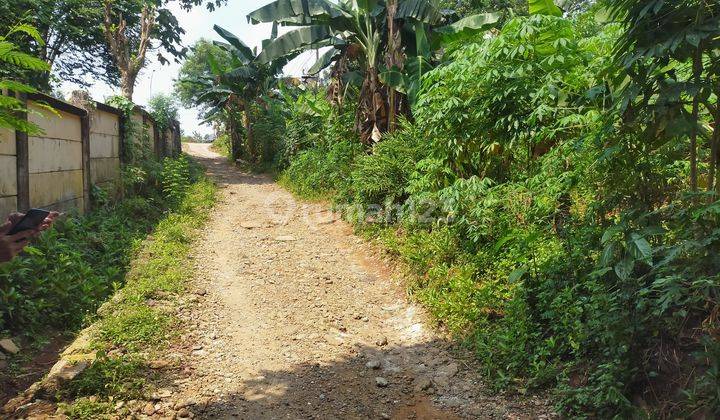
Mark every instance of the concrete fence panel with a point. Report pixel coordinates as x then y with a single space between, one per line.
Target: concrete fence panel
55 160
80 146
104 146
8 172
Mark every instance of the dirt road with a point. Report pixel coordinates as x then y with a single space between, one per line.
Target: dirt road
295 318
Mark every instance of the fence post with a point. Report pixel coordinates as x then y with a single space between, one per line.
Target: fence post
122 139
177 139
22 159
85 136
156 141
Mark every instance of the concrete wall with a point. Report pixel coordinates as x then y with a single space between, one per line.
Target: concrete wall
8 172
104 148
78 148
55 160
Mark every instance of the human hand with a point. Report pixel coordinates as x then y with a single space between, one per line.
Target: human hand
11 245
45 225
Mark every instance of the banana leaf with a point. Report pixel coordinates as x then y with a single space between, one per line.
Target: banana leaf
419 10
467 27
325 60
354 78
294 12
300 39
544 7
243 50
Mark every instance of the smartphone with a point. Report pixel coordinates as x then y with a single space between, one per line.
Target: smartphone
32 220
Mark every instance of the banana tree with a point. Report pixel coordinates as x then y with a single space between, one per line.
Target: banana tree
360 29
322 23
231 90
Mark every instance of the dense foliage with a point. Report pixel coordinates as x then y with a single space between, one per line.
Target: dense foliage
164 110
13 61
546 200
70 270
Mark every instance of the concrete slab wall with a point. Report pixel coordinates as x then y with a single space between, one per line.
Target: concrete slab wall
55 160
8 173
79 147
104 148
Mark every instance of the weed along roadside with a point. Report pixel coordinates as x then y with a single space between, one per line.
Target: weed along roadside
462 209
111 360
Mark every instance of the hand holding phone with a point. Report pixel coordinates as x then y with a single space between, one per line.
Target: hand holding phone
19 229
32 220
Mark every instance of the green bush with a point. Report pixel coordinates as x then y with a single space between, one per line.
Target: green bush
222 146
71 269
556 238
321 164
382 177
318 173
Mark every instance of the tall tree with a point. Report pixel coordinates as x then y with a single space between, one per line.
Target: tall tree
667 85
74 44
349 26
129 44
72 41
196 65
231 85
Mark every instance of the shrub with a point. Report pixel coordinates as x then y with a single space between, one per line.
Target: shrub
70 270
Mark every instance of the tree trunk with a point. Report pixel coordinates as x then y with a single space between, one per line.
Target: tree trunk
234 135
335 92
249 141
371 118
714 143
697 73
393 59
116 36
127 85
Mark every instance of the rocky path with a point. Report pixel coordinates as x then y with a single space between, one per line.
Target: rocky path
293 317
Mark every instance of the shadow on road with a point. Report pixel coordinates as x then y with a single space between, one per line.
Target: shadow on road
398 382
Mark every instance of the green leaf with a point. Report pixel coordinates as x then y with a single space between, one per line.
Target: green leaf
213 64
354 78
499 244
395 79
517 274
544 7
243 50
607 254
301 39
610 233
641 248
469 26
28 30
16 86
419 11
295 12
24 61
624 268
325 60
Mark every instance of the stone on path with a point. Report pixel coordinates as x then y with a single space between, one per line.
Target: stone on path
8 346
373 364
381 382
253 224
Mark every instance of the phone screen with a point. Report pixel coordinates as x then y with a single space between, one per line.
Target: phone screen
32 219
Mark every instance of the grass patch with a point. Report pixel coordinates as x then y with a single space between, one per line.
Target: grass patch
140 319
88 409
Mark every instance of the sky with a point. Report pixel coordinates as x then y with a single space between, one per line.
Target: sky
198 23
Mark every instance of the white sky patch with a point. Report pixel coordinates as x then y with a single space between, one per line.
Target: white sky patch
198 23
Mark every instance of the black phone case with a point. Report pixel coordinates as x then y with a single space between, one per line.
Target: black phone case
32 219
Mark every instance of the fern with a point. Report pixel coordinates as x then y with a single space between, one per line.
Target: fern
28 30
10 107
24 61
